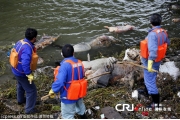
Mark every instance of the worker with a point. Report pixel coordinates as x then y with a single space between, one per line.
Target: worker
56 69
22 68
71 70
153 50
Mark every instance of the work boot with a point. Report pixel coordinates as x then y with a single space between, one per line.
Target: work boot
83 116
20 103
37 102
155 99
24 102
34 111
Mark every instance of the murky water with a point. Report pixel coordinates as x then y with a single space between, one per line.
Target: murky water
80 21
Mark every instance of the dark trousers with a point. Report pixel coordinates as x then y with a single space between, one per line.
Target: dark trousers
23 87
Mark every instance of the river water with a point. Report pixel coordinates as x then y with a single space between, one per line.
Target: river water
80 21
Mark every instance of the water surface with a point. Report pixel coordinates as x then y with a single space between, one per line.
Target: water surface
80 21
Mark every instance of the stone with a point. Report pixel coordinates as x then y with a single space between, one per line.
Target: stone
110 113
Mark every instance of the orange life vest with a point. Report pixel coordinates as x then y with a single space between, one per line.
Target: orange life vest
161 51
13 59
77 88
56 72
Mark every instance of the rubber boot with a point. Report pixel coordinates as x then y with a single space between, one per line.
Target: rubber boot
83 116
155 99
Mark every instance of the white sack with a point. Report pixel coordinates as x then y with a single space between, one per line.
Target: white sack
169 67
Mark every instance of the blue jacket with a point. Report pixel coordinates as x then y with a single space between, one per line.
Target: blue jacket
150 78
153 42
24 57
63 77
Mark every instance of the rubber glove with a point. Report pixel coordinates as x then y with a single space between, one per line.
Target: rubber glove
150 63
51 94
30 78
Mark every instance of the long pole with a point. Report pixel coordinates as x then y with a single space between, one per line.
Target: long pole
141 66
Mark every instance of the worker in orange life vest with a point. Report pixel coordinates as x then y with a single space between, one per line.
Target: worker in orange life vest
66 73
156 37
26 92
56 70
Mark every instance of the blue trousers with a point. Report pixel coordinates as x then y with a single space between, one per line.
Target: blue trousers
23 87
150 77
68 110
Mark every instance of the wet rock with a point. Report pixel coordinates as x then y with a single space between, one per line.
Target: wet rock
12 105
57 115
175 58
47 70
6 47
80 47
177 64
110 113
177 52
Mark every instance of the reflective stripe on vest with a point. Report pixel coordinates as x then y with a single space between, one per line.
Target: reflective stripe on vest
74 65
158 31
22 41
77 88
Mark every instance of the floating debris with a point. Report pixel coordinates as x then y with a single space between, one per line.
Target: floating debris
176 20
45 41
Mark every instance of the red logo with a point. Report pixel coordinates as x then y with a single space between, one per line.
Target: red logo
136 109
